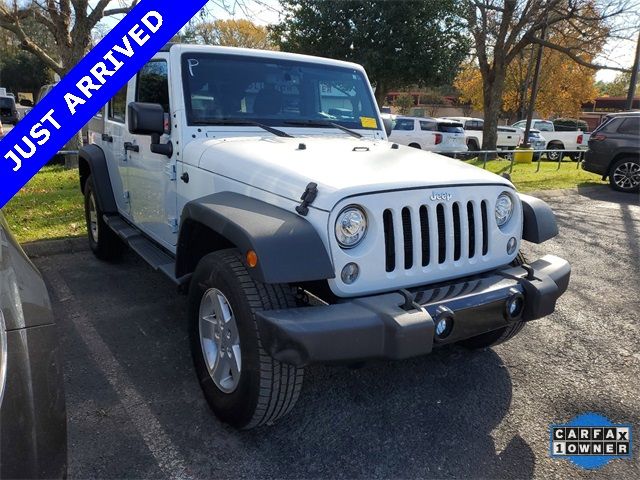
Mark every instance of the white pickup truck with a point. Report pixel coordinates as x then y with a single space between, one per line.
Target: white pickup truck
571 141
508 137
263 184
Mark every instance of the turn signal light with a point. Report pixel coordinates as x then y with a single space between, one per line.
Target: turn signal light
252 258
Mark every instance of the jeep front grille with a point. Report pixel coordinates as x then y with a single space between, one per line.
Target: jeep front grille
434 234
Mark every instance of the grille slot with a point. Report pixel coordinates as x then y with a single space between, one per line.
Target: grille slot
442 234
457 241
424 235
485 232
407 235
389 241
432 234
472 229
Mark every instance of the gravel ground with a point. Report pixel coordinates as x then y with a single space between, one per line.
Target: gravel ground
135 408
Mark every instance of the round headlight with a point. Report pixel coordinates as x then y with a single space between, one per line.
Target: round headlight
504 208
351 226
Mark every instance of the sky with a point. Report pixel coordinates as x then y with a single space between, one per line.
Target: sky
619 53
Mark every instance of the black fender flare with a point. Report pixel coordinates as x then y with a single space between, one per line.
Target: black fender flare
288 247
539 220
97 162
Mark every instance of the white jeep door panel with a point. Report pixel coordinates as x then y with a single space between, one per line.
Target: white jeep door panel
112 142
151 176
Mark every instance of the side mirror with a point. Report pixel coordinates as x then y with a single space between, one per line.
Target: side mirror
146 118
388 125
149 119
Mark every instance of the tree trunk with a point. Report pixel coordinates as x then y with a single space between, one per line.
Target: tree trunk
381 94
492 95
75 143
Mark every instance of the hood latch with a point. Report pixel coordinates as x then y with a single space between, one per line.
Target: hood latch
309 195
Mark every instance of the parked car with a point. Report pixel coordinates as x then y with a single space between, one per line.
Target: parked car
431 134
537 142
33 423
557 140
508 137
301 236
614 151
8 110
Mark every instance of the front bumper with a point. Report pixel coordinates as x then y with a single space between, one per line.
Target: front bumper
402 324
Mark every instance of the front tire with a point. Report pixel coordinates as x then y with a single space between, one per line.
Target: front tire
247 388
103 241
624 175
496 337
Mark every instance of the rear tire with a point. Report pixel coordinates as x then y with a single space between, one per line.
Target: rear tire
496 337
624 175
258 390
104 242
415 145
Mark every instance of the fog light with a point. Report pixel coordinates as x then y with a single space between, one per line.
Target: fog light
514 306
350 273
444 322
511 245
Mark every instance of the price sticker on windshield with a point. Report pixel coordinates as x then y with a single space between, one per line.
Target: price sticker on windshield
368 122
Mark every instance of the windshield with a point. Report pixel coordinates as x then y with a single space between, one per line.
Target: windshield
6 102
274 91
544 126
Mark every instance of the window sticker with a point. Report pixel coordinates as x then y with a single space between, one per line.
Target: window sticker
368 122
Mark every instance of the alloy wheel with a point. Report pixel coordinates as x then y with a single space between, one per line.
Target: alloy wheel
93 218
220 340
627 175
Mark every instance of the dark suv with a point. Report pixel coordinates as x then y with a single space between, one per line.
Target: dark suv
614 151
8 110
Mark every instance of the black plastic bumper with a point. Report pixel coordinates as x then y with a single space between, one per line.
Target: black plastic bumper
402 324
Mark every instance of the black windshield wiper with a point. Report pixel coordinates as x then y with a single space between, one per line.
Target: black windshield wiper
320 123
242 123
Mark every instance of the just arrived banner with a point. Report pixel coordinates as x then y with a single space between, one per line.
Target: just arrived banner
87 88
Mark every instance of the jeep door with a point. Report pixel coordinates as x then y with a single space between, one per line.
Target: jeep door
111 140
151 176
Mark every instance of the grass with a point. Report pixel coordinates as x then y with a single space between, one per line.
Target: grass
51 205
526 179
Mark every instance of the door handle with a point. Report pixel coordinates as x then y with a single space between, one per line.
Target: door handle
130 147
107 138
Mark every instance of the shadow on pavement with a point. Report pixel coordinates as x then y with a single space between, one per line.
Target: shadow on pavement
425 417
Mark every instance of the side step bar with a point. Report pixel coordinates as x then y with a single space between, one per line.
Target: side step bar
153 255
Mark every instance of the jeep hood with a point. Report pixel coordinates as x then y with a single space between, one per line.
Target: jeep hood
340 166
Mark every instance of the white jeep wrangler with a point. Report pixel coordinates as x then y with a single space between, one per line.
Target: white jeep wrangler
264 185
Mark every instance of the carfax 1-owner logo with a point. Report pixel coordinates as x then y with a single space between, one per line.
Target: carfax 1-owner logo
591 441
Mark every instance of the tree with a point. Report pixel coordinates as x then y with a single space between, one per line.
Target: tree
403 103
230 33
70 23
400 43
564 86
618 87
502 29
23 72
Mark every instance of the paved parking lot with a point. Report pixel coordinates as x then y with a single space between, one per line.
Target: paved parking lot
135 409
